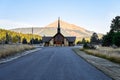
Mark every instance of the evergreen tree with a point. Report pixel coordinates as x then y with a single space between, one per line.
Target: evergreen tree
24 41
115 25
32 41
113 36
83 41
8 38
94 39
116 39
36 41
107 40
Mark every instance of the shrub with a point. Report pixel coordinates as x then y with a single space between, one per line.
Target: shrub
88 46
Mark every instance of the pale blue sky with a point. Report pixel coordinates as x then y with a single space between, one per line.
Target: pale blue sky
94 15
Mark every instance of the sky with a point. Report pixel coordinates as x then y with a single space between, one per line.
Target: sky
94 15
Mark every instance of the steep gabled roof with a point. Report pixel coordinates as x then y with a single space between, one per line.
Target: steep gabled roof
57 34
71 39
46 39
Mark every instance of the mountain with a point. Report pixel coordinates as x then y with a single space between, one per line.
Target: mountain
70 29
67 29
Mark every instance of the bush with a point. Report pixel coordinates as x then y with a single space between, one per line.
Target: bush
88 46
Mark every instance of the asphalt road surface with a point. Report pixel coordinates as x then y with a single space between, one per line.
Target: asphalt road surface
50 63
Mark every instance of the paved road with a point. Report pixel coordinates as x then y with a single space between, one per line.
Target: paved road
59 63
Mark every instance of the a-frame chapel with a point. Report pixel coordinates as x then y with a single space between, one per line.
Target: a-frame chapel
59 39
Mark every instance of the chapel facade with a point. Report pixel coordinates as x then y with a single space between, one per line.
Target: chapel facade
59 39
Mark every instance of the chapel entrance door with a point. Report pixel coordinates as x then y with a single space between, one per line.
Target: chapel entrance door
58 40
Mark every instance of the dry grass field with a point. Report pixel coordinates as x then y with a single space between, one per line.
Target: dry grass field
105 52
8 50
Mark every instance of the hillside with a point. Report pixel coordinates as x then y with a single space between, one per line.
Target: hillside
71 29
15 36
67 29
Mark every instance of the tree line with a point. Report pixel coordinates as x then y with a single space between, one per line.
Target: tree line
7 37
112 38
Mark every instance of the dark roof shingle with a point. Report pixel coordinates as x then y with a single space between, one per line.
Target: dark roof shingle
46 39
71 39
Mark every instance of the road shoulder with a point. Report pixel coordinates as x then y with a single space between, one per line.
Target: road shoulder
109 68
10 58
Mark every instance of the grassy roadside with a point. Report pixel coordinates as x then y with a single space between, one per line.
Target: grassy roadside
8 50
109 54
110 71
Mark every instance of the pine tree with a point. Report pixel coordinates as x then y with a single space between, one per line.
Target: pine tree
113 36
94 39
115 25
24 41
83 41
